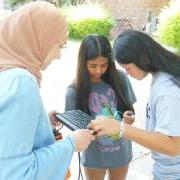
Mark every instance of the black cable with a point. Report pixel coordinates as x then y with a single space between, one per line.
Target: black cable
80 172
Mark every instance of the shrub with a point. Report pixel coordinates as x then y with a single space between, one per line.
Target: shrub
61 3
13 4
84 20
169 25
79 29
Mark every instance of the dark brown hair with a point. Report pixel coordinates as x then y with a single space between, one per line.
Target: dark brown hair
92 47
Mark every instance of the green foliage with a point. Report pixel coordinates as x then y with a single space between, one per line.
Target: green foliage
169 26
78 29
13 4
61 3
88 19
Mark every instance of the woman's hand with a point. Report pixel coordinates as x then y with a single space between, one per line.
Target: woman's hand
83 138
105 126
54 121
128 117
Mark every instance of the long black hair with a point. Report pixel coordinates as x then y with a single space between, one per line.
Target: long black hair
92 47
139 48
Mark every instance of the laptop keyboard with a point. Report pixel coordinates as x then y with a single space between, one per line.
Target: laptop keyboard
74 119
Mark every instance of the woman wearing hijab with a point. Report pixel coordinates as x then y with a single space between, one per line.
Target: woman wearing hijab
30 39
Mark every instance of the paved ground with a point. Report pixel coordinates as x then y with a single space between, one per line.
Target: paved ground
60 74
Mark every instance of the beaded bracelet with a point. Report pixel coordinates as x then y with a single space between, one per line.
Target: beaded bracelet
122 129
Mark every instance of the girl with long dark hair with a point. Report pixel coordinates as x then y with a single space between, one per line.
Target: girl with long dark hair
100 89
140 55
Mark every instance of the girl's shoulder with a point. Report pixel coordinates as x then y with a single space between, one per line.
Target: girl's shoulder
122 73
72 85
13 76
164 83
123 76
14 73
71 90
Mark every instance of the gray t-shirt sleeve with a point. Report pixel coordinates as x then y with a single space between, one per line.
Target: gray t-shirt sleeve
70 101
128 88
167 115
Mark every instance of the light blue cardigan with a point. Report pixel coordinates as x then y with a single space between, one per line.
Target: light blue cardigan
28 150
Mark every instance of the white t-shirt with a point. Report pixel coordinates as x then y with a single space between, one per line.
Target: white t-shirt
163 115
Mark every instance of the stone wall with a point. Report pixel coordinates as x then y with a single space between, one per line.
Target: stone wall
134 12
